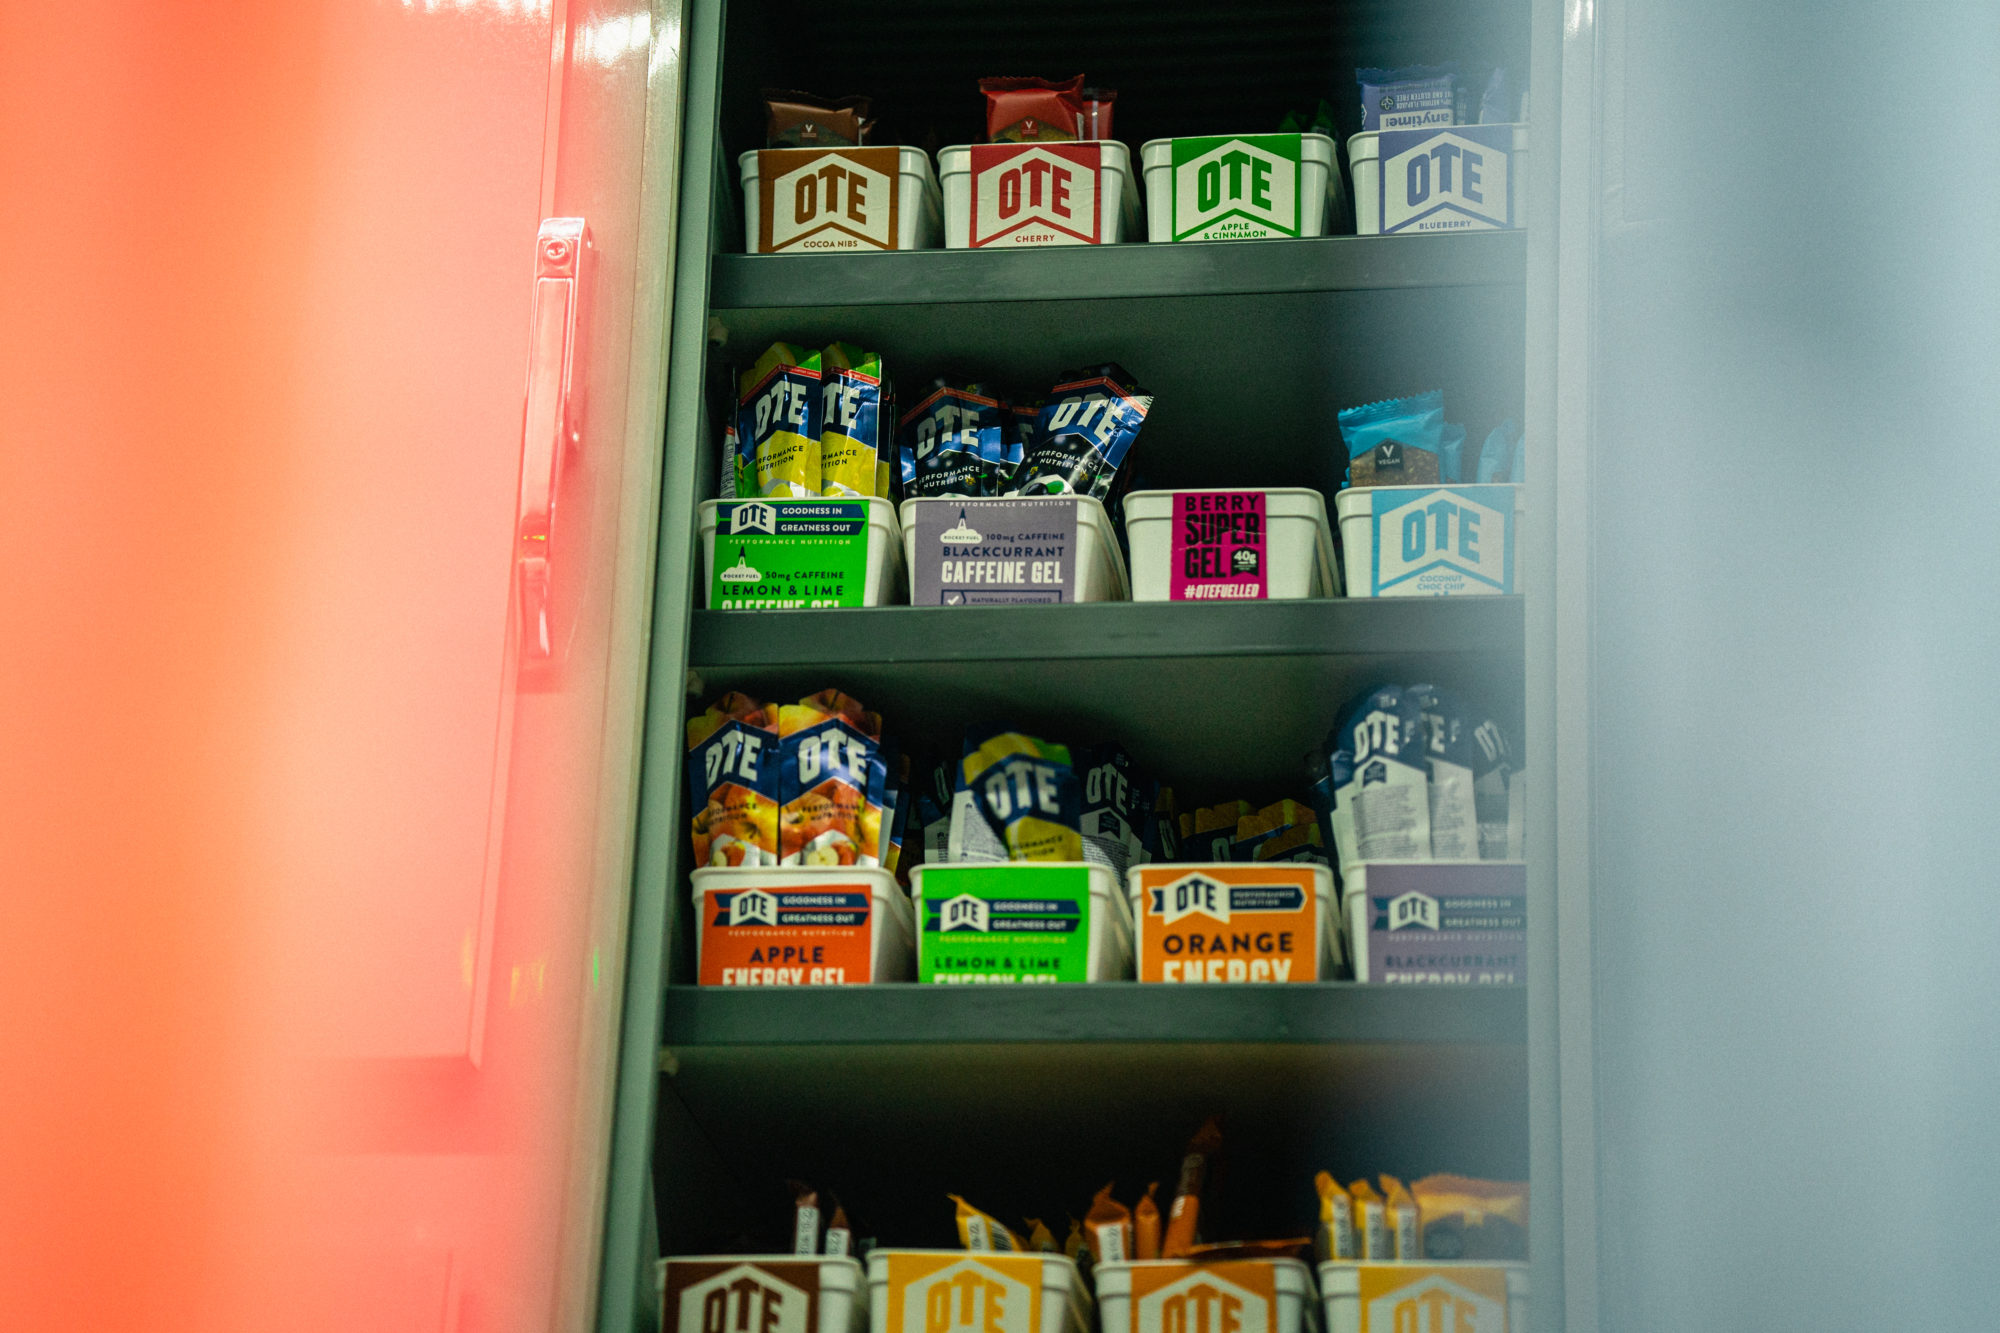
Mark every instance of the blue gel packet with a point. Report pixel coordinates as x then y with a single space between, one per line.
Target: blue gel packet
1084 434
1394 442
948 442
1412 98
1451 452
1497 456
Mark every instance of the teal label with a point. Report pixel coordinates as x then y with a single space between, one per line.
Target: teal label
782 555
1004 923
1447 541
1236 188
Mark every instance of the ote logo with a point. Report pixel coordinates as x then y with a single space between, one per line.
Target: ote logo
753 907
1239 187
744 1298
1447 180
1035 194
964 912
1203 1301
1435 1304
753 518
815 199
1445 540
1413 911
969 1296
1191 895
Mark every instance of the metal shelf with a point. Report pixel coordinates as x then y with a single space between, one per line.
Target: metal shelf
1111 272
710 1016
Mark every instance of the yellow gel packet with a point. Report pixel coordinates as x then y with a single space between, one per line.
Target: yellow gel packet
1404 1220
983 1231
1336 1220
1371 1224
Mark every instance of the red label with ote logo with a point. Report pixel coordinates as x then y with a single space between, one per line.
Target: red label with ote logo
1036 194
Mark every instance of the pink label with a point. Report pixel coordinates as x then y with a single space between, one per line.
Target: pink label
1219 550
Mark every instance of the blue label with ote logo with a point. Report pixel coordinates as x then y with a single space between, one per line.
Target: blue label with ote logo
1454 179
1440 541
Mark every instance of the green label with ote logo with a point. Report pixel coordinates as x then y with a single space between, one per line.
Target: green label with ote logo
783 555
1237 187
1013 922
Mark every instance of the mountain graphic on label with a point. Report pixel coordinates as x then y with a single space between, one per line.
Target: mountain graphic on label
961 535
741 571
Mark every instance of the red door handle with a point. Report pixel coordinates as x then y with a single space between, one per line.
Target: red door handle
552 426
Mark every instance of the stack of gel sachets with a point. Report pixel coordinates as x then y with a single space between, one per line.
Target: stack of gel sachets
810 424
1411 774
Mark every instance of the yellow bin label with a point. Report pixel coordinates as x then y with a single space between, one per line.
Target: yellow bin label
1237 1296
1415 1298
965 1293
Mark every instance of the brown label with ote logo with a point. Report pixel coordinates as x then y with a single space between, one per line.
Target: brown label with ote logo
736 1296
827 199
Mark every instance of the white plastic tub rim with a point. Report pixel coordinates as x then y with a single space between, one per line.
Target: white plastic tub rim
1301 561
919 205
843 1299
1118 201
1098 565
1340 1295
1294 1309
1319 186
891 918
1110 949
1066 1304
883 582
1364 163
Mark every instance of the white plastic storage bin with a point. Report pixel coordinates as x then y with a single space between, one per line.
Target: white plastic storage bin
1039 1293
881 585
1001 195
1150 1295
1277 921
1293 549
812 1294
1390 1298
1239 187
1010 550
1453 923
1435 194
1429 541
962 939
801 926
813 204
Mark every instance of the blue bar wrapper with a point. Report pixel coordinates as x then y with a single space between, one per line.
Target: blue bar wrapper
1084 434
1412 98
948 442
1496 104
1395 442
1497 793
1028 793
1388 793
1451 452
1115 803
1497 456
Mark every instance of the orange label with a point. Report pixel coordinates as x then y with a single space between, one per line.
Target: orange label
783 936
1226 922
1418 1298
1236 1296
965 1292
827 198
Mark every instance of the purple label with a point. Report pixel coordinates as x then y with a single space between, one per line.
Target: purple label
1449 924
993 552
1219 551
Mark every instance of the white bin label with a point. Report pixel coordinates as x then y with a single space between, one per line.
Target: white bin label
1453 179
1444 542
1035 194
827 199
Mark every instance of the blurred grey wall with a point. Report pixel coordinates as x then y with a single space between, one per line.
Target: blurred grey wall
1797 675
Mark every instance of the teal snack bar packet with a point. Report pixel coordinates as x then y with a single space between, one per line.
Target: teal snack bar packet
851 420
1451 453
1497 457
1394 442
